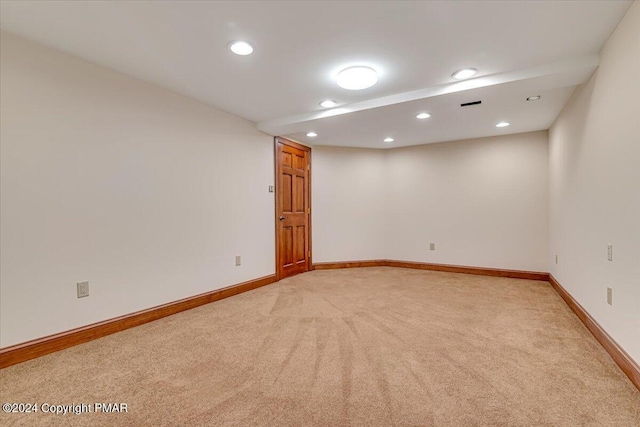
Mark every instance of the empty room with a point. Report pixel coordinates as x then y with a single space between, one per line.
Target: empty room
320 213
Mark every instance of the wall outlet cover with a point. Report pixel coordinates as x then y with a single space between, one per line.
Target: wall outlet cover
83 289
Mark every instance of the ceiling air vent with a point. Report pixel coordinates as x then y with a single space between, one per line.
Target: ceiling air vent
466 104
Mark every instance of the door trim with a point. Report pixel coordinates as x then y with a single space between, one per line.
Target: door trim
299 146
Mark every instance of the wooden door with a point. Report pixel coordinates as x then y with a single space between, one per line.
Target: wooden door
293 208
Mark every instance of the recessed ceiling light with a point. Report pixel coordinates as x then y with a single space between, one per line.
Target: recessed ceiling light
388 140
534 98
464 73
312 134
328 104
357 78
241 48
502 125
423 116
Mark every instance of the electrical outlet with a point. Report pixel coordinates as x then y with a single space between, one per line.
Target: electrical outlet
610 252
432 246
83 289
556 258
609 296
238 260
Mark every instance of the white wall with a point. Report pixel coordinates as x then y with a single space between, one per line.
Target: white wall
483 202
348 204
146 194
595 188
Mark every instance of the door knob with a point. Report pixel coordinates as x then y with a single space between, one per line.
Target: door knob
281 218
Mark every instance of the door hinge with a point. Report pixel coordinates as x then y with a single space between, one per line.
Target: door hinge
309 254
308 167
308 210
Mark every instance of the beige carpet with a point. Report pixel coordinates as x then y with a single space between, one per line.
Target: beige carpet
369 347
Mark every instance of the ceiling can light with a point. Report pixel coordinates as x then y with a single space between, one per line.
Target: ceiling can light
357 78
328 104
534 98
503 124
388 140
241 48
312 134
423 116
465 73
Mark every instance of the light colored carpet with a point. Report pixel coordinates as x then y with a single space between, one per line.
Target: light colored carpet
373 346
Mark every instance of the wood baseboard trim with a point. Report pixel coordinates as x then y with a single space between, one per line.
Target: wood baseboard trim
36 348
39 347
622 359
482 271
349 264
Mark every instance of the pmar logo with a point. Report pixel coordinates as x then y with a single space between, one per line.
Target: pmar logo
110 407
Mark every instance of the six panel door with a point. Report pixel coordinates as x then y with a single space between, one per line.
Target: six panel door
292 209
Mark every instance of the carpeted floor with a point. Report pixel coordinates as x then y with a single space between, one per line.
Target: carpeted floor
358 347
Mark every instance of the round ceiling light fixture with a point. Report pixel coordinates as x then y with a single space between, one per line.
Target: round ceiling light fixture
328 104
534 98
423 116
357 78
312 134
388 140
465 73
502 124
241 48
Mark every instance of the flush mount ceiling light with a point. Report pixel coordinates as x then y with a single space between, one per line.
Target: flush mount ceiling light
312 134
241 48
423 116
388 140
357 78
328 104
534 98
502 125
464 73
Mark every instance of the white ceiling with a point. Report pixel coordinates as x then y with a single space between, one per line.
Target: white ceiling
520 48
